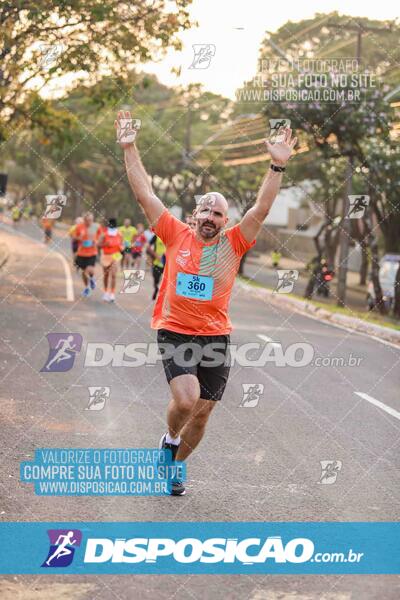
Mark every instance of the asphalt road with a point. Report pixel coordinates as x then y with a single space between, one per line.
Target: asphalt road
255 464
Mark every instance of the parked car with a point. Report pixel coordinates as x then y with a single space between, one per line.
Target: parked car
387 274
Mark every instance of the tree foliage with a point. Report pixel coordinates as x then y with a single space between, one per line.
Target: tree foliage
74 40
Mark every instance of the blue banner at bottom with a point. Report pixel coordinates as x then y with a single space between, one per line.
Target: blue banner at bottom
200 548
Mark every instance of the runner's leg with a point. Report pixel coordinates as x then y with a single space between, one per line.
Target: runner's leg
85 277
106 274
113 279
194 429
212 377
113 273
90 271
185 393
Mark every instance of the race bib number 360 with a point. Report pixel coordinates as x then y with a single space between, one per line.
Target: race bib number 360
194 286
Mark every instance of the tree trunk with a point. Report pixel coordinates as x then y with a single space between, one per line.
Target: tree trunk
396 306
373 245
331 245
364 261
315 268
315 262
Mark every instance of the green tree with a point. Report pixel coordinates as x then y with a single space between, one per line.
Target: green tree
85 161
341 128
80 39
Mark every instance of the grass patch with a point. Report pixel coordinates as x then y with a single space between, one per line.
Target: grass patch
368 316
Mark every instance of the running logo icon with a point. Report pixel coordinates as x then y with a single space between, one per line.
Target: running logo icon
204 203
54 207
62 351
132 280
329 471
97 397
63 543
286 280
50 54
127 130
252 392
203 54
204 199
277 132
357 206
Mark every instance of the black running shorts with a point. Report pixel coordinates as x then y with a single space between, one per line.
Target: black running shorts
85 261
205 356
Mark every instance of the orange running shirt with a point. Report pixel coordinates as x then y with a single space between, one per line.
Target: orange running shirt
112 242
47 223
186 254
87 239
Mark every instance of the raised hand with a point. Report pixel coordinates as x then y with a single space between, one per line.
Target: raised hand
281 151
125 133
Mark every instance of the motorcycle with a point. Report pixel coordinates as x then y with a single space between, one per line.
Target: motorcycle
324 277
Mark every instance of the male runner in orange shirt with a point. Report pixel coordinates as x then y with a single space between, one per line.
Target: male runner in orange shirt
47 225
86 235
191 312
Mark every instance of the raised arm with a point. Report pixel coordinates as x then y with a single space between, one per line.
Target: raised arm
139 179
253 220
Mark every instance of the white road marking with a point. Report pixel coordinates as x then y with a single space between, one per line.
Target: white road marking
260 594
69 286
267 339
388 409
68 278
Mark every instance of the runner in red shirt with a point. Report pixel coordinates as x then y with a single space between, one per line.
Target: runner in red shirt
139 241
112 244
192 307
86 235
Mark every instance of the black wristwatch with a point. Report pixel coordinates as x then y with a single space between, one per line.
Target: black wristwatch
278 169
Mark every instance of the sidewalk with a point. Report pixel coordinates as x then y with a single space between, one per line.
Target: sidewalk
351 322
263 261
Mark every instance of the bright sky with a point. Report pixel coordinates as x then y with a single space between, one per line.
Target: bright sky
236 53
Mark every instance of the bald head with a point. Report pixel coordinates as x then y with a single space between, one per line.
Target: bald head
214 199
88 218
211 215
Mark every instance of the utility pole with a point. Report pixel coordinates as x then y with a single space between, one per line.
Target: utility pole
345 226
345 236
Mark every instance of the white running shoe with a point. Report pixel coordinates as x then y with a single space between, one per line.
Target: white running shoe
112 297
106 297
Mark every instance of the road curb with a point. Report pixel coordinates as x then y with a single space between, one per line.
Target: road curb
302 306
303 274
4 254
